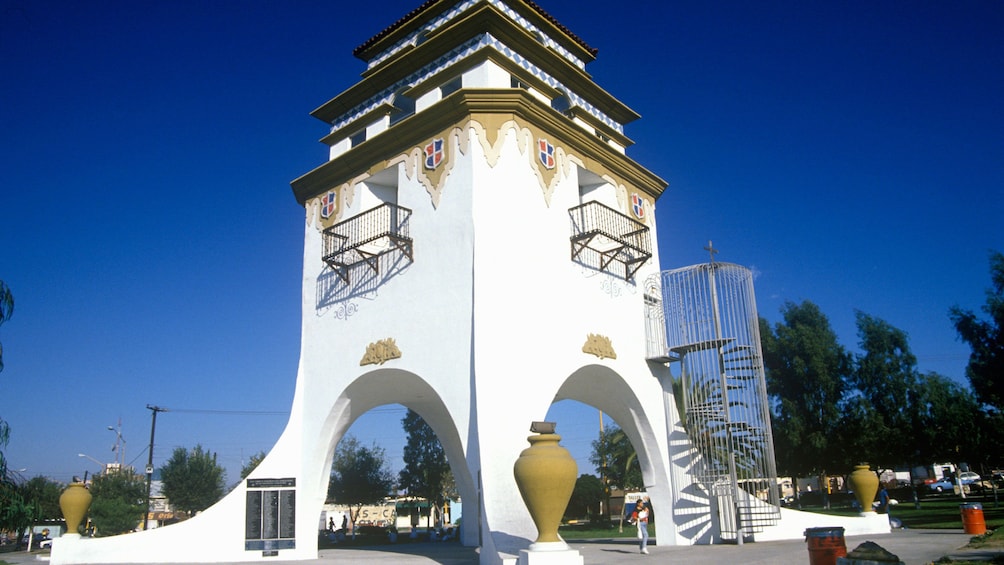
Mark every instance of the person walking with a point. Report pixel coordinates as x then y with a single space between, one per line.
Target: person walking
643 511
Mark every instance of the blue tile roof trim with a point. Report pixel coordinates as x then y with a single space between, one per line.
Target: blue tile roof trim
462 7
457 54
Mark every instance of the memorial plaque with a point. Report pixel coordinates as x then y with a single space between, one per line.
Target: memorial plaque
272 483
270 514
270 520
252 528
287 513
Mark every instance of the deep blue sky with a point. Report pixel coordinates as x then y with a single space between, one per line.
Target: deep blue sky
851 153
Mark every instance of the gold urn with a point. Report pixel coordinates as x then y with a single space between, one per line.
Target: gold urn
74 502
865 484
545 474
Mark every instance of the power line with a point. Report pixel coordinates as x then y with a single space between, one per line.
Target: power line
230 412
378 409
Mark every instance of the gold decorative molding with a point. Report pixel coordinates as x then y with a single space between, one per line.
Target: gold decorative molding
344 195
434 180
378 352
492 130
600 346
479 104
488 120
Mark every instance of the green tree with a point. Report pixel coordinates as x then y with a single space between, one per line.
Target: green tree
989 436
17 512
44 492
805 370
119 502
23 503
426 471
7 484
6 310
886 392
585 502
252 464
617 463
951 425
192 480
986 339
359 476
616 460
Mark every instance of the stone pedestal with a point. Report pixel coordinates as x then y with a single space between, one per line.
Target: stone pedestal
66 549
559 557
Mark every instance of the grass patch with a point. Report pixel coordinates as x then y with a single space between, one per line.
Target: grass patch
945 514
993 539
598 531
999 560
940 512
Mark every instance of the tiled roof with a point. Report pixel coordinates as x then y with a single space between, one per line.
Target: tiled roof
358 50
428 3
592 50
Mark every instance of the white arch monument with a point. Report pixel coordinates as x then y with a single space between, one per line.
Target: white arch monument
473 250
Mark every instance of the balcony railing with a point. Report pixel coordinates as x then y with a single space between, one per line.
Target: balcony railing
607 240
364 238
655 327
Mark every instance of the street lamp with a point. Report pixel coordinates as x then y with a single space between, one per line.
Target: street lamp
84 455
119 447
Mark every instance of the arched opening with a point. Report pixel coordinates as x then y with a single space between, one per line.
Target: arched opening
588 433
595 398
371 451
370 411
412 456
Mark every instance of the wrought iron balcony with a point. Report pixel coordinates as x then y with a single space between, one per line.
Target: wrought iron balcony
607 240
364 238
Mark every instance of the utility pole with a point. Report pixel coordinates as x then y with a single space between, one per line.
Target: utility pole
149 463
119 447
605 503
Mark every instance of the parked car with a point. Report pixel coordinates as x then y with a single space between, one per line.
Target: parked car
941 485
969 478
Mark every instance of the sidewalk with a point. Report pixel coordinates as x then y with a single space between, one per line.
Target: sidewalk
913 547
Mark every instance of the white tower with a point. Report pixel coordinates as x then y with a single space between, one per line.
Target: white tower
473 249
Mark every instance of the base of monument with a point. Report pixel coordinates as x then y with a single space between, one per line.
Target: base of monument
550 557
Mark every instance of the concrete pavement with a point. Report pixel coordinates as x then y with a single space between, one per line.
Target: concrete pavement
914 547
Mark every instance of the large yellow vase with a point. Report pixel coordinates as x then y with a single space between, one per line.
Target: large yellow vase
74 502
865 484
545 474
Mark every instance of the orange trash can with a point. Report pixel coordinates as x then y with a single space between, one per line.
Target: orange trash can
972 518
825 545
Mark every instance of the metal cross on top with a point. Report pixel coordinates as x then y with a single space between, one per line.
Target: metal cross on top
711 251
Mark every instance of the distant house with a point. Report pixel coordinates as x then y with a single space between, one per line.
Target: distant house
161 512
